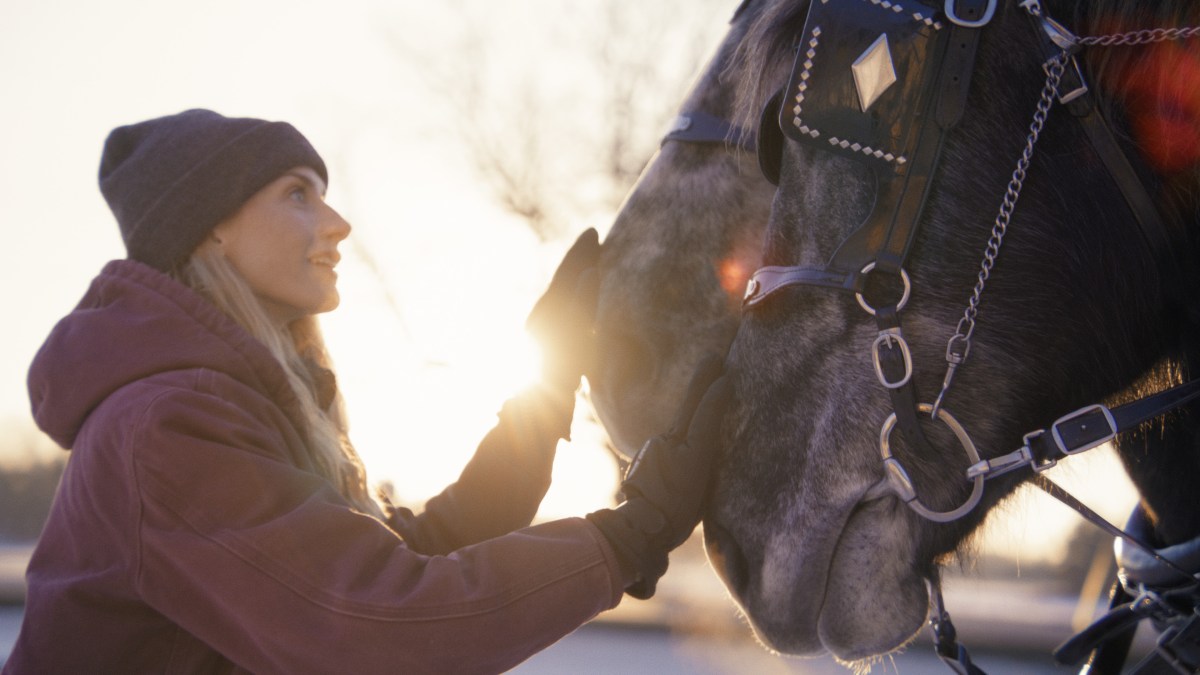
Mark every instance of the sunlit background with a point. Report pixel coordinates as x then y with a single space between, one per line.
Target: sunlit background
401 97
438 276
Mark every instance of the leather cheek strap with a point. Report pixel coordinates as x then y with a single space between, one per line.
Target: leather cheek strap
770 139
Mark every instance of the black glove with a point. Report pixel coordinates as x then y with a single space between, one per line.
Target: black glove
666 485
562 319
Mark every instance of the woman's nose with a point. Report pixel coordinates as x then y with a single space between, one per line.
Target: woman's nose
335 225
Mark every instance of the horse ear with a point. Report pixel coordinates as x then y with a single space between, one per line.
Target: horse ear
770 139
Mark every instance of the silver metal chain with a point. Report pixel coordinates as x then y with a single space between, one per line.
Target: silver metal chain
1140 37
959 345
1130 38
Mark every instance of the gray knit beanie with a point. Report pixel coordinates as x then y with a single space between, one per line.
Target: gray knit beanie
169 181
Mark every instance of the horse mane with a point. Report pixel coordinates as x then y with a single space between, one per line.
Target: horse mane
769 40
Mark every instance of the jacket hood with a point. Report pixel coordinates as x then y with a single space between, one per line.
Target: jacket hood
134 322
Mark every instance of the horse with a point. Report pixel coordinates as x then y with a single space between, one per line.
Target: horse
677 257
861 434
805 527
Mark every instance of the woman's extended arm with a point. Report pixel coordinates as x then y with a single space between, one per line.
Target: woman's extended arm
504 483
270 566
502 486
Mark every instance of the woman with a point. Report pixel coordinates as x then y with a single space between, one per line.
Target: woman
214 517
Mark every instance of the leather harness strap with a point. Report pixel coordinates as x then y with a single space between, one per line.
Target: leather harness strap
960 59
807 112
899 134
901 140
894 132
698 126
897 367
1080 102
1084 429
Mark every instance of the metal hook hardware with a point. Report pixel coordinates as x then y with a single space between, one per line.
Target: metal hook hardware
1059 35
952 15
1023 456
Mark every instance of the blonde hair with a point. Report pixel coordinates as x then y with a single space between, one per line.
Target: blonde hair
211 275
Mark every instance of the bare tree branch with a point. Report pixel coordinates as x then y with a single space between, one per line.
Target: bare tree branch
562 135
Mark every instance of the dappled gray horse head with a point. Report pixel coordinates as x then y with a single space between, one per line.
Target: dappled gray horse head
676 261
1086 302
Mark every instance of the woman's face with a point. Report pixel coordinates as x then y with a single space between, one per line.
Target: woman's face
284 240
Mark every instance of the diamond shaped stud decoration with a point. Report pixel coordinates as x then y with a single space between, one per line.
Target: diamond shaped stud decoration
873 72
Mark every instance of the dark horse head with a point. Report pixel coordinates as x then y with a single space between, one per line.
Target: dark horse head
1085 303
676 261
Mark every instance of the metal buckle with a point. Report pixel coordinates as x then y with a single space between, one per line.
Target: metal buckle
1072 85
952 15
1079 84
892 336
1045 464
1081 419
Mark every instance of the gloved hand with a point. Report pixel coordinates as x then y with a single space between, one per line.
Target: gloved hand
561 320
667 483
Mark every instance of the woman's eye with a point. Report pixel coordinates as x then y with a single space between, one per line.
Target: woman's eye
298 194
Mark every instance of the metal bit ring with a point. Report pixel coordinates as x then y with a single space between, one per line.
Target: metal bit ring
902 485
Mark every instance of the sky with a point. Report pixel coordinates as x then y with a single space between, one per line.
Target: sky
436 279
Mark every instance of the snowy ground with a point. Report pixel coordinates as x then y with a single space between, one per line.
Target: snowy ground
600 649
603 648
691 627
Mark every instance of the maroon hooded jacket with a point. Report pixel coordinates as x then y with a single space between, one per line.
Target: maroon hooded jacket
191 534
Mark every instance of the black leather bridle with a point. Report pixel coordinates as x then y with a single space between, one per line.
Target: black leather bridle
912 64
898 129
703 128
928 54
700 127
907 93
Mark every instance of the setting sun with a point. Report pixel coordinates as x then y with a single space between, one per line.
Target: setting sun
424 387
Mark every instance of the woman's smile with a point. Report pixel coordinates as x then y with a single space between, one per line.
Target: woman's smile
283 241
